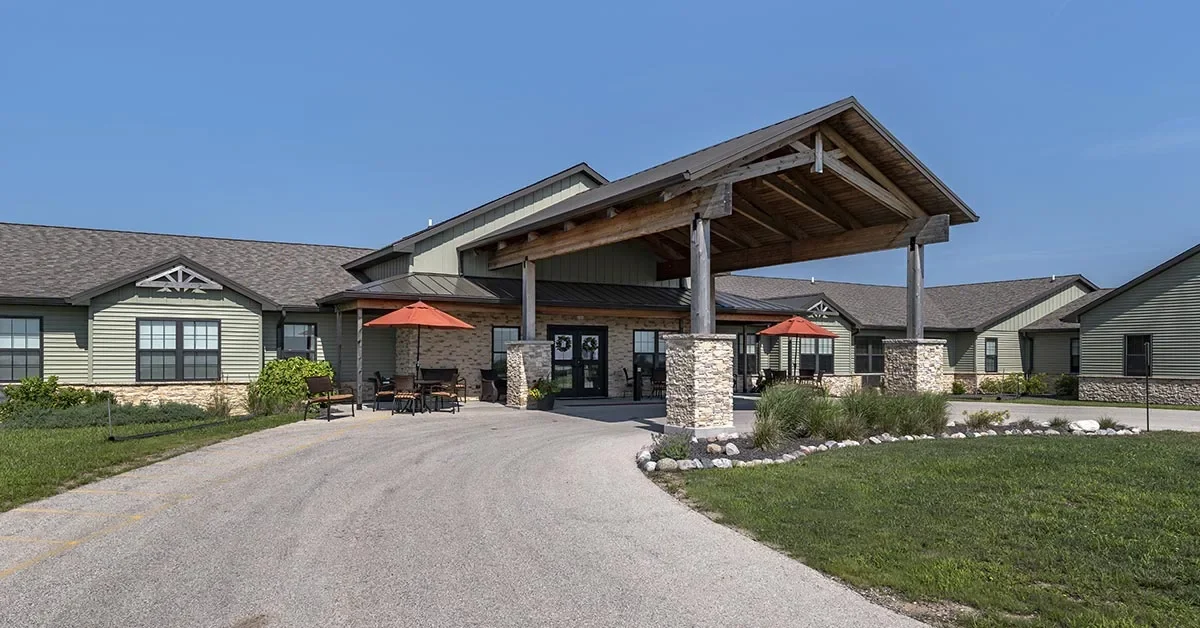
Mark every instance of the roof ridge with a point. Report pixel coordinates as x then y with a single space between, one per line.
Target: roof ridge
806 280
983 283
181 235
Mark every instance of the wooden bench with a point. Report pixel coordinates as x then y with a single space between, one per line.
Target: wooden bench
322 393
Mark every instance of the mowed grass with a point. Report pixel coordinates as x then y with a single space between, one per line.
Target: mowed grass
1030 531
37 463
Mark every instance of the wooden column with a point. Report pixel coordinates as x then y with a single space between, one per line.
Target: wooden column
358 358
337 329
528 299
916 289
703 316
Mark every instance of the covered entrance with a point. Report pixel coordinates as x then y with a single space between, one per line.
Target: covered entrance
579 360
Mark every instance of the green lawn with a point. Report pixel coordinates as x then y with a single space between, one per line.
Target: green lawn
1042 401
1055 531
37 463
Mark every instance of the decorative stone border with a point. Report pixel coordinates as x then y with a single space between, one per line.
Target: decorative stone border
645 455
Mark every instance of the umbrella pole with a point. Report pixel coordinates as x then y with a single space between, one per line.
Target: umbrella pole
417 371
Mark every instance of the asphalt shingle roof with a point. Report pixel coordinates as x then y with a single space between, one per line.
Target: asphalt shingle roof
1054 320
964 306
58 262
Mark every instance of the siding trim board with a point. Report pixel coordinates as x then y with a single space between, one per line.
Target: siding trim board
85 297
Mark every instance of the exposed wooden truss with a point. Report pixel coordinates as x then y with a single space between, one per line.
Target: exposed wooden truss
179 278
745 204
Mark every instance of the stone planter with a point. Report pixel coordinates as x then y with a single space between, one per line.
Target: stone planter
544 404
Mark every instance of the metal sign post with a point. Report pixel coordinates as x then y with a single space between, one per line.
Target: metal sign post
1147 382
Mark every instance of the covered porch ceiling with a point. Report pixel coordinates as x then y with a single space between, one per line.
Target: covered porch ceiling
828 183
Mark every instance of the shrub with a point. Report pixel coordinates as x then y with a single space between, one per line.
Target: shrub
1027 424
1067 386
924 413
839 426
96 414
219 404
281 388
34 393
1035 384
983 419
1058 423
677 446
869 408
543 388
768 432
788 405
990 386
958 388
1013 384
1109 423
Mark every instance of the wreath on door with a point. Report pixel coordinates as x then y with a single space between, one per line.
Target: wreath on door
590 344
562 344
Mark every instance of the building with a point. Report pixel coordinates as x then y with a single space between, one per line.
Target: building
573 277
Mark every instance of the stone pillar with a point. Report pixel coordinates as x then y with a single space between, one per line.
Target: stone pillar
528 361
913 365
699 383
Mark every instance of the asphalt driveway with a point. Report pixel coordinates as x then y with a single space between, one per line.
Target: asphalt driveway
490 517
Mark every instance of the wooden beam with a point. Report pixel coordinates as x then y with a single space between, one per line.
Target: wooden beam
864 163
801 181
337 329
815 207
733 236
704 317
869 187
662 247
720 202
528 300
926 230
630 224
751 171
531 236
915 320
745 205
358 358
569 225
819 151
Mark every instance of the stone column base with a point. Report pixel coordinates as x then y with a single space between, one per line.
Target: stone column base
528 361
699 383
913 365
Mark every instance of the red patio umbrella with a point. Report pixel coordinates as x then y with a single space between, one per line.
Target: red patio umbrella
797 327
419 314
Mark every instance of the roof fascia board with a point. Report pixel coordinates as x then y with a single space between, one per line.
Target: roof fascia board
1031 302
1073 317
85 297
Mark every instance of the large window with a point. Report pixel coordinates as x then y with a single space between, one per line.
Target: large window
649 350
816 354
1137 355
298 340
1074 367
172 350
20 348
747 358
501 336
991 360
868 354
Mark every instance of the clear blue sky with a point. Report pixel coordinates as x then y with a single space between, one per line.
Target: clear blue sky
1071 127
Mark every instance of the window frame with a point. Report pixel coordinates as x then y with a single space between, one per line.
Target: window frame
178 350
1148 355
660 348
492 344
41 350
282 353
1073 355
870 355
991 363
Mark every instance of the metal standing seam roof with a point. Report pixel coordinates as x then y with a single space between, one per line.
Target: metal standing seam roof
694 164
503 290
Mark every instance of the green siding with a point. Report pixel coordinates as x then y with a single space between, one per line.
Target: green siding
843 348
962 352
1052 352
439 252
1011 356
64 339
379 344
114 328
1167 306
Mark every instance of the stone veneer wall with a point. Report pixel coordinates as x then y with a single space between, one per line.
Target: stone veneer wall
913 365
1169 391
199 393
699 380
528 361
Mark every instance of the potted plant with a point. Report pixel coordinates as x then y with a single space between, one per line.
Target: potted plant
542 395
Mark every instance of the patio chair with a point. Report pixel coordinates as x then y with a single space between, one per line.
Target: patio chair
658 383
322 393
405 393
448 389
628 383
385 389
488 390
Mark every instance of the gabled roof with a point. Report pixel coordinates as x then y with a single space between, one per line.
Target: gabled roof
1054 321
405 245
1136 281
805 303
702 162
85 297
507 291
53 264
963 307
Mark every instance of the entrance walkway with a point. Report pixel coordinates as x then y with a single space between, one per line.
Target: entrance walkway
489 517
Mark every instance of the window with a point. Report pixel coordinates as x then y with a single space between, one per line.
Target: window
501 336
747 358
649 350
1137 355
816 354
990 359
1074 368
20 348
170 350
298 340
868 354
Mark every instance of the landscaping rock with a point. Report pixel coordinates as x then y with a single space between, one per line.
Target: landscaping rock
958 435
733 436
714 448
849 442
1044 424
1027 432
1086 425
787 457
686 465
822 448
722 437
874 440
668 464
644 455
907 437
649 465
731 449
991 432
695 440
1051 432
1124 433
739 463
1136 430
722 463
712 439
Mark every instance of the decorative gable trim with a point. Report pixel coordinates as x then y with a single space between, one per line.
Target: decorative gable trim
179 278
821 309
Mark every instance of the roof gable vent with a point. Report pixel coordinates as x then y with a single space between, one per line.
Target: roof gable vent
179 279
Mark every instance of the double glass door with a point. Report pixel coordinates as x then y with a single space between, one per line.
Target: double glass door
580 360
